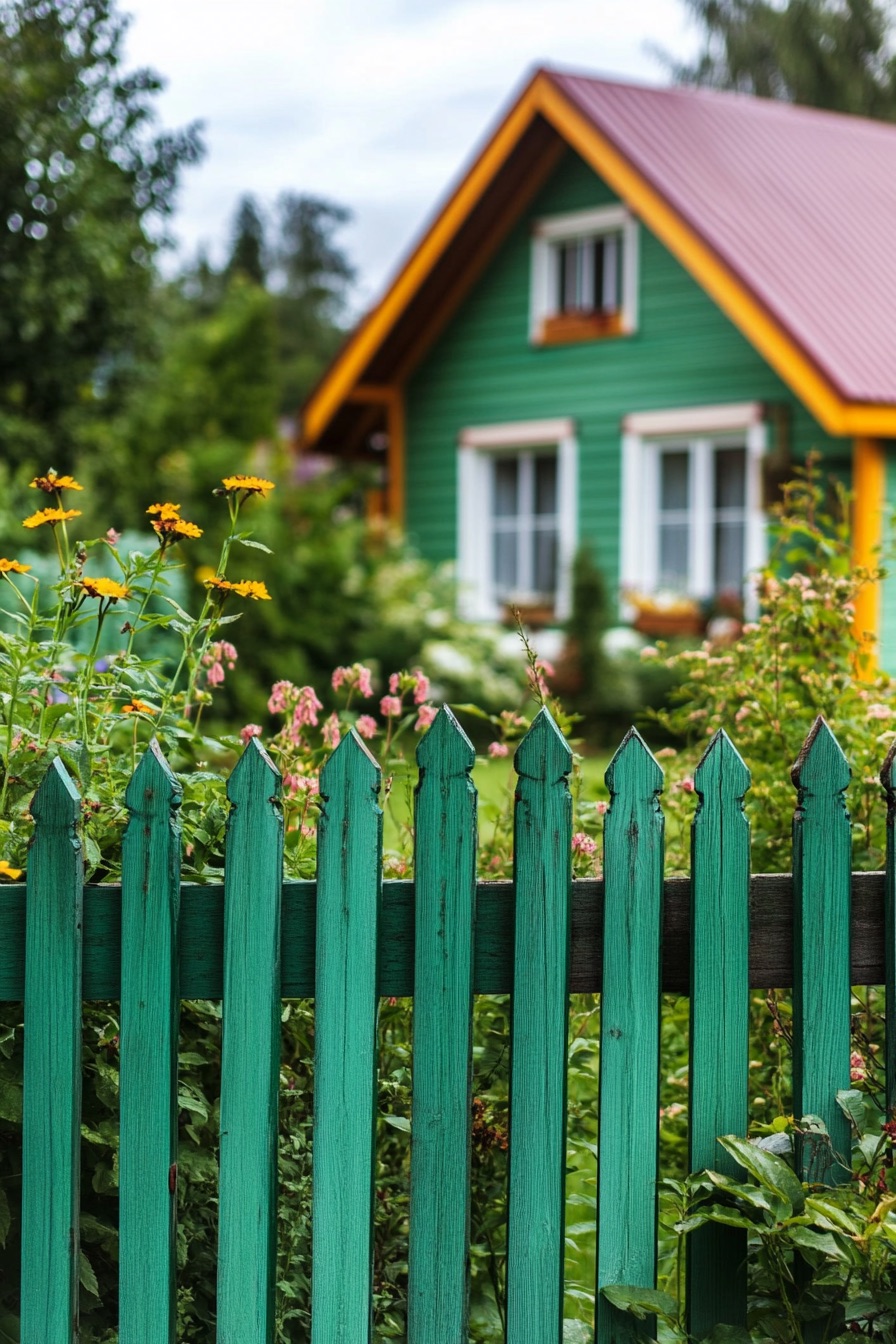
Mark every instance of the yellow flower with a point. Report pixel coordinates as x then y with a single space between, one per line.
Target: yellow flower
253 485
13 567
165 511
11 874
204 574
138 707
103 588
51 516
175 528
245 588
53 482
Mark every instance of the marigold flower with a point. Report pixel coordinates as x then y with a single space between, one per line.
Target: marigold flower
175 529
13 567
53 482
244 588
138 707
11 874
164 511
107 588
253 485
51 516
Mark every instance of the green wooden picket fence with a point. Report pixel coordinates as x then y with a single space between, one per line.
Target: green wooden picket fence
348 939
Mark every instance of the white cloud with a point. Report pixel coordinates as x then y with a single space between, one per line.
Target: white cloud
376 105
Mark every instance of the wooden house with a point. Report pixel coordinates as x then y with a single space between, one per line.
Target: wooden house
635 309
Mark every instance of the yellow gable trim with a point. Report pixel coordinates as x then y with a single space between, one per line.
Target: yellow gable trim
837 416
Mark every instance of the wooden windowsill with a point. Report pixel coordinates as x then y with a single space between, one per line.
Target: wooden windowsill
565 328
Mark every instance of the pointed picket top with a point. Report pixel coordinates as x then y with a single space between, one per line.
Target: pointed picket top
634 768
57 803
821 765
254 775
721 770
153 789
544 753
445 746
351 758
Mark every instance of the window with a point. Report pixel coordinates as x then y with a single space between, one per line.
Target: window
584 276
516 518
692 518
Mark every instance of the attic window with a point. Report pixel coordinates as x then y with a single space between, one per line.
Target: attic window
584 276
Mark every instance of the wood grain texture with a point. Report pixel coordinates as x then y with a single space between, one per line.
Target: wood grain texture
822 844
720 946
150 1019
540 1012
349 875
51 1120
628 1135
445 864
201 937
888 779
250 1055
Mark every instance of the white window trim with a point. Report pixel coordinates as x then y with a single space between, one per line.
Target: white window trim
698 427
546 233
476 448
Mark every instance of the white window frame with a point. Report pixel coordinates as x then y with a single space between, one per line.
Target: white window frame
699 430
477 448
545 278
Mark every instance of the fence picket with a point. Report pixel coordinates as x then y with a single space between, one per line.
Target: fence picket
888 779
445 894
821 984
150 1018
250 1054
51 1120
628 1138
540 1012
348 906
720 948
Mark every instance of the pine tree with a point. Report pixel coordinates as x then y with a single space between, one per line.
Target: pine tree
834 54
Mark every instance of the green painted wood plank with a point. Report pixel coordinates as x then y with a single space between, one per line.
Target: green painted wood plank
822 850
250 1062
150 1016
349 868
720 946
888 779
445 867
540 1010
628 1139
51 1120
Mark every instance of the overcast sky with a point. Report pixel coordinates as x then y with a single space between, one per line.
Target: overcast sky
376 104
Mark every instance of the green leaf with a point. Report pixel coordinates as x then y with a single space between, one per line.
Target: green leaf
769 1170
398 1122
10 1102
823 1242
87 1276
255 545
727 1334
641 1302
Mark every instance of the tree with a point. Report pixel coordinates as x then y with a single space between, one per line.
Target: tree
833 54
247 251
86 183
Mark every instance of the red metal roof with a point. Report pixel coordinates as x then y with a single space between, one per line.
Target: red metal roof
799 204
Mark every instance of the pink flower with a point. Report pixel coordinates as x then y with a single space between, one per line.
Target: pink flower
857 1068
395 683
339 675
498 749
583 844
425 717
330 732
306 708
879 712
742 714
367 726
215 674
113 537
421 690
356 677
390 705
282 696
686 785
365 685
251 730
601 808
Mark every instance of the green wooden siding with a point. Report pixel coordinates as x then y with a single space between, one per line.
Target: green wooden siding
483 370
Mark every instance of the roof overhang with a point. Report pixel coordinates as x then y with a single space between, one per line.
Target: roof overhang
476 217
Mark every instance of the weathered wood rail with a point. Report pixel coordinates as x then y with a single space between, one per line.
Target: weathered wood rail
349 938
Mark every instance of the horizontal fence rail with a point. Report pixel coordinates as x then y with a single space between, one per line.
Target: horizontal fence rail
348 939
